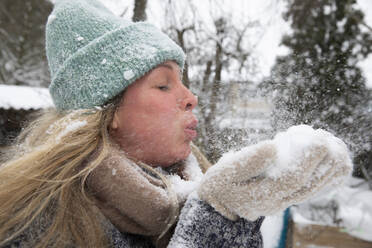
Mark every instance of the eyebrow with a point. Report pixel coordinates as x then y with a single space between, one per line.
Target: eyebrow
170 68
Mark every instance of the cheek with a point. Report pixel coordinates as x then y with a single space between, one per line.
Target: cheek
161 108
154 118
157 129
164 119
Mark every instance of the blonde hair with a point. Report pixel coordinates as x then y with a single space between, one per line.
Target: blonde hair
45 180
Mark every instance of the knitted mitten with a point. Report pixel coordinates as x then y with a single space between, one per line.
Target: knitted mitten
268 177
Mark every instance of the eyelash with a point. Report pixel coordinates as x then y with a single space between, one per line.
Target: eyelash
163 88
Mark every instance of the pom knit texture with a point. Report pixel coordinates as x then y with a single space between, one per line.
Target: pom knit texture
94 55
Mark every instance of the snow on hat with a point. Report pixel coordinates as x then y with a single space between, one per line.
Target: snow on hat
93 55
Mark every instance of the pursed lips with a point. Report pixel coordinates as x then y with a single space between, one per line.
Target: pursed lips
190 129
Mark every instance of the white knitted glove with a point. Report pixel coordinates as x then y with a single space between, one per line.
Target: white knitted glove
268 177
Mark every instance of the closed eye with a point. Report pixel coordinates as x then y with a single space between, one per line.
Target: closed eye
163 87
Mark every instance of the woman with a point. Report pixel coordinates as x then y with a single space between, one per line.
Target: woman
113 164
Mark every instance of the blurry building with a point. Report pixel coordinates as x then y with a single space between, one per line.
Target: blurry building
248 114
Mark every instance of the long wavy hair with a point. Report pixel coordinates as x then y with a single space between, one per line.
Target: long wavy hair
43 183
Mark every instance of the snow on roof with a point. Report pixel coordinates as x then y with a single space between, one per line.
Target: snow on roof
23 97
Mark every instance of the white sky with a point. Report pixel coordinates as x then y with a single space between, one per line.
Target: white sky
268 12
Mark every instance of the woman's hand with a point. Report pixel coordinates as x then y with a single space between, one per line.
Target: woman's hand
268 177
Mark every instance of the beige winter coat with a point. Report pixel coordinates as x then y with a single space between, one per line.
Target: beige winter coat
131 198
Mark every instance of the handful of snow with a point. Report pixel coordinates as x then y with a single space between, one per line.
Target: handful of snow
293 144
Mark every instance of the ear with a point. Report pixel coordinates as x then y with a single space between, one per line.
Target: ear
115 122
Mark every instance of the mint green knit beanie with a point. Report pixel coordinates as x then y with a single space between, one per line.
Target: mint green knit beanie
94 55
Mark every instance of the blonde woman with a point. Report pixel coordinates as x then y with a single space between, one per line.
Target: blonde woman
112 165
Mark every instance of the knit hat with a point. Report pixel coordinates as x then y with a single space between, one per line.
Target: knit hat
94 55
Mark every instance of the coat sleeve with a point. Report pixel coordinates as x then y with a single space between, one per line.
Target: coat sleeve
200 226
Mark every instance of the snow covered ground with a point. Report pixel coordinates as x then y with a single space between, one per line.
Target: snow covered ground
348 207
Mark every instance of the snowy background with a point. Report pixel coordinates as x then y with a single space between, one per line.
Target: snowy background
353 201
267 12
348 207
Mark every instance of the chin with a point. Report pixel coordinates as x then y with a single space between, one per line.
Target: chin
178 156
185 152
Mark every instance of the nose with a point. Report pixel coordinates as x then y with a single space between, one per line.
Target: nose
190 100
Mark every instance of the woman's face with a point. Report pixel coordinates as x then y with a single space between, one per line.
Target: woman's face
154 122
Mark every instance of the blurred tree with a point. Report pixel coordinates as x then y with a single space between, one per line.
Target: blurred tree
22 54
319 82
139 12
